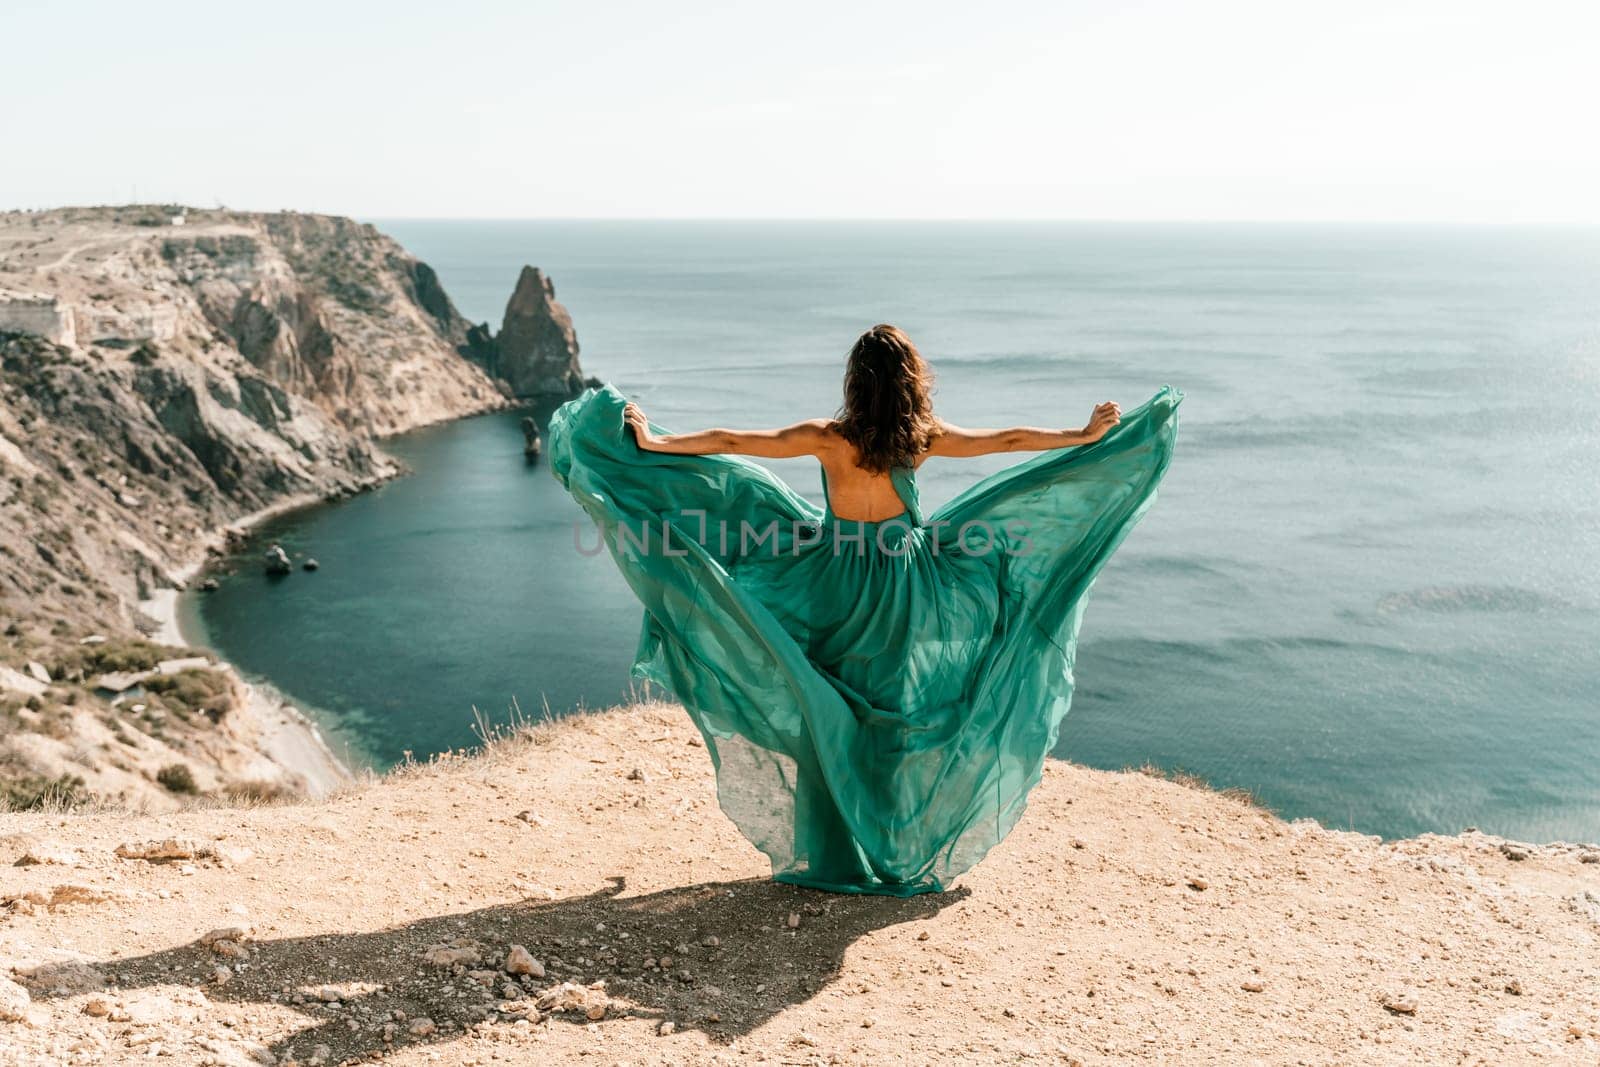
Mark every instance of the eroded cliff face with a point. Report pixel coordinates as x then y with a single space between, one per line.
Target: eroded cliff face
158 382
337 312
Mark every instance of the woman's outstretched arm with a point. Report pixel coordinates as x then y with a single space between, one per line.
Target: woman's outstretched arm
801 439
958 441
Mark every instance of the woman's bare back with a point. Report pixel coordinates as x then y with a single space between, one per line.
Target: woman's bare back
855 493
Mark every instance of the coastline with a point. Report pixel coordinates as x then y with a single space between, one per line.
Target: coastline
286 735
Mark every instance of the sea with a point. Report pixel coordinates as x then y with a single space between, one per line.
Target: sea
1369 591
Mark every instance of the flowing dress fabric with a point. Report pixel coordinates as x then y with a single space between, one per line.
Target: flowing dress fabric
878 698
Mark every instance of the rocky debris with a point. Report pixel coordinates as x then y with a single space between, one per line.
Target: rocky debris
458 953
36 851
229 856
60 895
110 1009
1589 857
421 1026
520 961
210 585
590 1001
536 351
37 671
276 561
230 950
99 1007
1399 1003
793 922
1253 986
224 933
1199 885
164 850
310 565
1513 851
14 1001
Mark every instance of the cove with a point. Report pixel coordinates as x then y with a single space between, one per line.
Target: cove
462 577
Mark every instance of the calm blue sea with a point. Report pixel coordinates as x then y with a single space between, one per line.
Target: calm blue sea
1368 591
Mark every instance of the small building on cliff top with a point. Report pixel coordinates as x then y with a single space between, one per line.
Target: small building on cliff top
37 313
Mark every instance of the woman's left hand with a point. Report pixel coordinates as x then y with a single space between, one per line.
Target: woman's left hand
1106 416
634 418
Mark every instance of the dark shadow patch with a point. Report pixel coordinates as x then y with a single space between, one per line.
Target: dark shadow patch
724 939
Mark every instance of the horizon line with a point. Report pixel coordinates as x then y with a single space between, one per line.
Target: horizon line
958 219
1052 219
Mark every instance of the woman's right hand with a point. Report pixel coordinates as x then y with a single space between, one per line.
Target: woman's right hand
1104 418
633 418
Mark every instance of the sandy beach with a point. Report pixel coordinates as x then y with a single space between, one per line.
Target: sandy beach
287 735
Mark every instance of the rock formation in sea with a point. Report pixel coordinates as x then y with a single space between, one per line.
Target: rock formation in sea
536 351
158 383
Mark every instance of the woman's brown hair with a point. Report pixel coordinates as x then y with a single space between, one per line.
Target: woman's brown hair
888 403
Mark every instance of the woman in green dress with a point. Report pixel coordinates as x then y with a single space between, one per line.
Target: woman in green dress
878 690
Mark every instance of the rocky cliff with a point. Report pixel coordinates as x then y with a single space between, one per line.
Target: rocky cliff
337 312
536 351
165 373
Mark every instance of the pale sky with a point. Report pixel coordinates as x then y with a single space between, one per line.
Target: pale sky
1230 109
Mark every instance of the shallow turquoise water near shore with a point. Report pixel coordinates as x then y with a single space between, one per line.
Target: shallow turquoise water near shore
1369 590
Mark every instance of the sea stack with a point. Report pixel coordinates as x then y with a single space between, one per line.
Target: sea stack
536 351
532 444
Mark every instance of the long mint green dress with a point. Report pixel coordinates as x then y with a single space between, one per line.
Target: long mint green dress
878 698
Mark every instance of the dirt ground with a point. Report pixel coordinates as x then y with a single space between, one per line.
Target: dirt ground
1128 919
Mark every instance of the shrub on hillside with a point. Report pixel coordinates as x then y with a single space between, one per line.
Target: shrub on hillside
196 691
31 791
116 654
178 778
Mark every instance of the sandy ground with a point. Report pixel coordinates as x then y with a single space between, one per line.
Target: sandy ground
1128 919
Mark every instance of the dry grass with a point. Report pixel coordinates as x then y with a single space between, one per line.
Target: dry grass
1178 776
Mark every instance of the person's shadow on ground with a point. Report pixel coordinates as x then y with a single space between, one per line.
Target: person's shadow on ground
726 961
